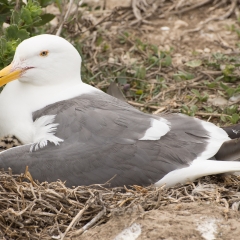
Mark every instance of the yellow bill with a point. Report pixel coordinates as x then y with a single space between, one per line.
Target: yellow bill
6 75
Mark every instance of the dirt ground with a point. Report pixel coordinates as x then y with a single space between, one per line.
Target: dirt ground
188 221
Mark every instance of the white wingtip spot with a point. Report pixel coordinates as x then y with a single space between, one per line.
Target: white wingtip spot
44 130
159 127
217 137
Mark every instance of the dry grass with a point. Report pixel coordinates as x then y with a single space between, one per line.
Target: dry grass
31 210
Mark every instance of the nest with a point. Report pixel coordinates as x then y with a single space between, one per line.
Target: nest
32 210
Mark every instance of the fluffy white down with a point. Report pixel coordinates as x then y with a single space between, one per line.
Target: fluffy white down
44 130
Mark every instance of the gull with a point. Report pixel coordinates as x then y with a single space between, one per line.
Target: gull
76 133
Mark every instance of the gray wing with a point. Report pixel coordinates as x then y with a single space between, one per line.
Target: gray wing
100 141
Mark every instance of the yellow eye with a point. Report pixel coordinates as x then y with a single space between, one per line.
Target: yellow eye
43 53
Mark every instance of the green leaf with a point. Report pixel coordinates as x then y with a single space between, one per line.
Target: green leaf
204 98
212 85
26 16
230 92
231 110
194 63
235 118
13 33
122 78
228 70
5 2
15 18
34 8
223 118
219 78
196 92
194 109
141 73
45 3
183 75
167 61
45 18
139 92
225 87
99 40
208 109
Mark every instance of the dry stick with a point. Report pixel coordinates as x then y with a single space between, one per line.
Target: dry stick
218 5
136 11
159 110
76 218
90 224
192 7
65 18
142 105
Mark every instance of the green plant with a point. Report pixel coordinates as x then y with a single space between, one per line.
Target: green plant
180 75
190 111
23 23
229 90
201 98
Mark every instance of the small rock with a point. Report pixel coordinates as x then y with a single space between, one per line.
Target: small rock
206 50
235 98
127 59
111 60
217 101
165 28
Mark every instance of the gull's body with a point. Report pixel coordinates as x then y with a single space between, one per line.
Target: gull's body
77 133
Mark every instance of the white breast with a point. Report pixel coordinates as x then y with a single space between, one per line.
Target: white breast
19 100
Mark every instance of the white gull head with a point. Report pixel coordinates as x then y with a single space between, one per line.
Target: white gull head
47 60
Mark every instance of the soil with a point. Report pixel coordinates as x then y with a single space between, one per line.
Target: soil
188 221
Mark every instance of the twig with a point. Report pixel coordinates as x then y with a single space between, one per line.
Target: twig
159 110
91 223
76 218
65 18
142 105
192 7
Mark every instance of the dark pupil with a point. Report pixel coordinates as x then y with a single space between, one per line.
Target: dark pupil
44 53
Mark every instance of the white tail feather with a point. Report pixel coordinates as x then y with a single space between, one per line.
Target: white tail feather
197 169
